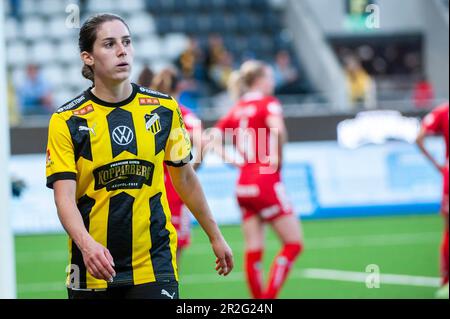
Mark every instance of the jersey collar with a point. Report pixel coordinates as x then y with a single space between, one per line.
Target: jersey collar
127 101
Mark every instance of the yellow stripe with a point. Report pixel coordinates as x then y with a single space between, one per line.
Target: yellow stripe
142 265
172 235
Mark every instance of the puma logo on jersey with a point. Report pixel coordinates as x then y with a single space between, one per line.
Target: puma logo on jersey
165 293
87 129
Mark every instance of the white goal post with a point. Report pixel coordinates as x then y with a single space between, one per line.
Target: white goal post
7 259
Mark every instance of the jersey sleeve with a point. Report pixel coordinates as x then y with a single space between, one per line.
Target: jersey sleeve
431 124
273 108
178 148
60 162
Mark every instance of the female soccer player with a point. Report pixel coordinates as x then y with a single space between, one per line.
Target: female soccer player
167 82
258 131
105 156
436 123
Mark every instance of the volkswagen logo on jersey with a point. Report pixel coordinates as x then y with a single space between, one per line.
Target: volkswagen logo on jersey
122 135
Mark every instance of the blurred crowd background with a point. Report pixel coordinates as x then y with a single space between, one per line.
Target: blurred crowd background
326 57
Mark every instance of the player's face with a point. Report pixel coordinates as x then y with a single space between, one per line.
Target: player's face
268 81
113 52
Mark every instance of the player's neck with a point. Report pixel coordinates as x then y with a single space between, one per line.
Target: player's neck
112 93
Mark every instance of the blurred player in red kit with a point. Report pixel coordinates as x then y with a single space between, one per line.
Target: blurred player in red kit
437 123
167 82
257 130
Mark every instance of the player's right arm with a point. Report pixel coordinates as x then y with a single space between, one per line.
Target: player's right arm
429 126
61 177
97 258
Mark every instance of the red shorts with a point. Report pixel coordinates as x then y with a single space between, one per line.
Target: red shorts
445 202
262 195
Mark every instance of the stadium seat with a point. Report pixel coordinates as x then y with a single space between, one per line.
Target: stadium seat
180 6
204 22
7 8
77 81
131 6
42 52
34 28
141 24
17 53
258 5
28 7
67 51
96 6
178 23
175 44
50 8
148 48
217 22
167 5
153 6
11 29
158 65
57 28
55 75
218 4
164 24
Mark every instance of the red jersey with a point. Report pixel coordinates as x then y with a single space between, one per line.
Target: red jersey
437 123
252 136
175 202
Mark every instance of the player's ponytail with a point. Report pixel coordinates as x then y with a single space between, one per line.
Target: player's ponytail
236 86
87 73
88 35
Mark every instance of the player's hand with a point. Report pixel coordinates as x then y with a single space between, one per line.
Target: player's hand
98 260
224 261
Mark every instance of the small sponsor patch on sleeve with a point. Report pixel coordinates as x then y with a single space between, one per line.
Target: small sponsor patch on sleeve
85 110
148 101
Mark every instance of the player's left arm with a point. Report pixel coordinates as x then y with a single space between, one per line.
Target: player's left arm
278 132
190 191
430 125
420 141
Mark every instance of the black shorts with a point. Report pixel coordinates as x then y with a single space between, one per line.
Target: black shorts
153 290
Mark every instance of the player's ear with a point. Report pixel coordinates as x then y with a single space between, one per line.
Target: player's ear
87 58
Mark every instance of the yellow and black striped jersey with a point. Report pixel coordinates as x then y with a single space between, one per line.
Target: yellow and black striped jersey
115 153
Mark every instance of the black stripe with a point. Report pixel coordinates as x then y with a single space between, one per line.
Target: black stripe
60 176
81 139
165 125
121 121
85 205
120 236
160 251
